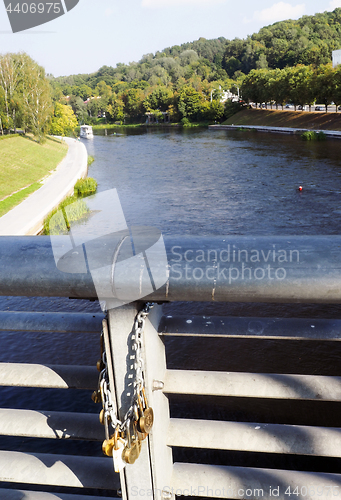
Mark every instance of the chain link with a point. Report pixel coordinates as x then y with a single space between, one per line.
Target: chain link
139 364
132 415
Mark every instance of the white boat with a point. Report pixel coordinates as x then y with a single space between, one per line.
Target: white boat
86 132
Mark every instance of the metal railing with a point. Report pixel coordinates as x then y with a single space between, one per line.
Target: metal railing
211 269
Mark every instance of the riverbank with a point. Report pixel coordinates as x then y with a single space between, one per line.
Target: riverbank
333 134
289 119
28 217
116 127
24 164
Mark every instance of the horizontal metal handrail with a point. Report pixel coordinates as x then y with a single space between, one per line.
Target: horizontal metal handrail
51 376
6 494
233 268
219 481
23 321
255 328
253 385
58 470
255 437
50 424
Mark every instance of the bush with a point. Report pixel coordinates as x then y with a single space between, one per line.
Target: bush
185 122
91 159
311 135
62 219
85 187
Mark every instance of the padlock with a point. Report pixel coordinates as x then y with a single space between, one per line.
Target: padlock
102 416
132 449
141 435
119 445
96 396
108 446
131 453
100 365
146 420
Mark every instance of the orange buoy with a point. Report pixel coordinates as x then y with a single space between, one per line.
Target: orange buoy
300 188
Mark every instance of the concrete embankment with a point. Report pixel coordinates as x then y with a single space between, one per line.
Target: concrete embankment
279 130
28 217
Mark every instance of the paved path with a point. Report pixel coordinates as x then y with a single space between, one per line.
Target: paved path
280 130
28 217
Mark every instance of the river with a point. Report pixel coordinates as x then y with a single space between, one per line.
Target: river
202 182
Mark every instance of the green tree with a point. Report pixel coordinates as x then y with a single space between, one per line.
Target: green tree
133 102
78 107
115 108
160 98
278 86
36 95
325 84
189 102
63 121
301 85
254 87
10 81
337 86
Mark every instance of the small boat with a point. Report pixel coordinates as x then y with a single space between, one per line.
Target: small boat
86 132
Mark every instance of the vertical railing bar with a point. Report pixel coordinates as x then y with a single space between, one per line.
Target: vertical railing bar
120 324
107 344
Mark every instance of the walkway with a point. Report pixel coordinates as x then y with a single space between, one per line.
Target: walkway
278 130
28 217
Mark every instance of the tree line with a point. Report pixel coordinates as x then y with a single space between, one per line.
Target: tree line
26 99
287 61
309 40
299 85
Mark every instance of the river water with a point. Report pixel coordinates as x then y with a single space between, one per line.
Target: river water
201 182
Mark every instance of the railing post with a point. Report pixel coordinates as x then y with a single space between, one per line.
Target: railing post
155 373
152 470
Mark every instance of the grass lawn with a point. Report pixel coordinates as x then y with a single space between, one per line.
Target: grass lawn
295 119
23 163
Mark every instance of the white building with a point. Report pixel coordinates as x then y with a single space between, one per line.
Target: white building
225 95
336 57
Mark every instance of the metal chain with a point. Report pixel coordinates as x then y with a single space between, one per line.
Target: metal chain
138 327
110 416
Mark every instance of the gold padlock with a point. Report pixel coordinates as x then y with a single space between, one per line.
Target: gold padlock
100 365
96 396
146 420
141 436
132 453
111 444
132 449
101 416
108 446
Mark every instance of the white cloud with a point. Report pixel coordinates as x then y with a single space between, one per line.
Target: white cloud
278 12
159 4
333 4
108 12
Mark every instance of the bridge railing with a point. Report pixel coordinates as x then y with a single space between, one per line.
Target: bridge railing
238 269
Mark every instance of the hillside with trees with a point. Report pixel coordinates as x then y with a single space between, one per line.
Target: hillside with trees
309 41
287 61
186 80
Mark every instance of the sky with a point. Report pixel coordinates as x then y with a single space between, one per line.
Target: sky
106 32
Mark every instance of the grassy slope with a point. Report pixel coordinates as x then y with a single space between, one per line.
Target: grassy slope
295 119
23 163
